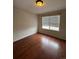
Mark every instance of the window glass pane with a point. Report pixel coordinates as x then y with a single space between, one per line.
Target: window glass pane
51 22
54 22
45 22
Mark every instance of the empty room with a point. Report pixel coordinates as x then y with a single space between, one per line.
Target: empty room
39 29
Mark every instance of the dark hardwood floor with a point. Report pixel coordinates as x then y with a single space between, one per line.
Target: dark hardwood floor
39 46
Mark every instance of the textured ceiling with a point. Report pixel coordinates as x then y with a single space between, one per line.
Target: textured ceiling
50 5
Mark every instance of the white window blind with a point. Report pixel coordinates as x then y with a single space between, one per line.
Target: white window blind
51 22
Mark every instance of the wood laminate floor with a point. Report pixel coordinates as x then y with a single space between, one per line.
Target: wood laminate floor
39 46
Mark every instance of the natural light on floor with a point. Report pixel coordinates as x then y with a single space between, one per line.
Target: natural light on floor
49 43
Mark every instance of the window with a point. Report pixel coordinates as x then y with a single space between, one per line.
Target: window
51 22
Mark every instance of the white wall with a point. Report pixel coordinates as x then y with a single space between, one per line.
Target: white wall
24 24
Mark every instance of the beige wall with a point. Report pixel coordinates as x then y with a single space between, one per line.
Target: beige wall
62 33
25 24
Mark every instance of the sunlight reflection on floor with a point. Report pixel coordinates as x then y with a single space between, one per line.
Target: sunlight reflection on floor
49 44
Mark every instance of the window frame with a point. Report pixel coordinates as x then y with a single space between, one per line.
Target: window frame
49 24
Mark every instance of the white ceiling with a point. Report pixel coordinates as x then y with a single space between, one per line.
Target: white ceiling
50 5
